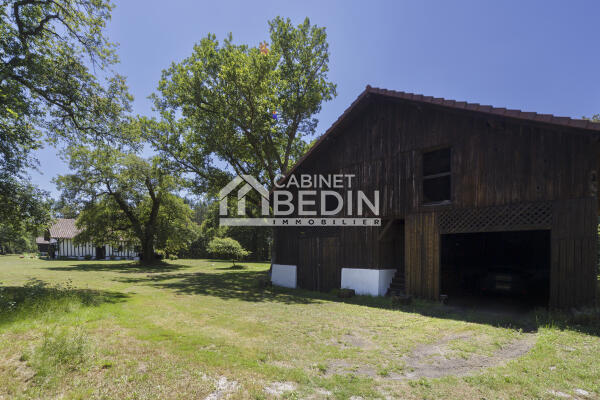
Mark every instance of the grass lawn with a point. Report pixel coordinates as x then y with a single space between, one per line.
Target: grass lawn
200 328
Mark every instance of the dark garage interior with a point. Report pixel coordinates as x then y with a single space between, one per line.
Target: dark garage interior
508 267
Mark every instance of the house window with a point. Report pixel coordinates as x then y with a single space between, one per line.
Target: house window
437 176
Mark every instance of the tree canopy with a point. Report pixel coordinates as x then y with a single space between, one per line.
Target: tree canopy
234 108
47 91
126 197
24 208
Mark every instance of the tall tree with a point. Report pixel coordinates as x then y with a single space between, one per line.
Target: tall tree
249 107
126 197
47 48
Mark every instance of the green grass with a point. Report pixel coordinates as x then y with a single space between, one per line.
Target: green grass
189 328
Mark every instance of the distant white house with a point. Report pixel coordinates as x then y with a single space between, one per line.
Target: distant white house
59 242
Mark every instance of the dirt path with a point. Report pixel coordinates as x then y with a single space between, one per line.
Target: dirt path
433 361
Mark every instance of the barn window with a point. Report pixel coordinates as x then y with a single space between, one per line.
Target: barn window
437 176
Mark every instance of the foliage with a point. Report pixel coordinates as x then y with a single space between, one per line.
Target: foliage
24 212
63 208
217 105
254 238
227 248
46 49
126 197
15 241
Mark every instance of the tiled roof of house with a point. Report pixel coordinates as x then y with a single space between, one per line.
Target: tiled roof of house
64 228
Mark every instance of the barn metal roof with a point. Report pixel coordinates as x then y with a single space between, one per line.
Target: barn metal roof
64 228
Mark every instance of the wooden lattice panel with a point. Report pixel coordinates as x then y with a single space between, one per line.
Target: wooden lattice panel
500 218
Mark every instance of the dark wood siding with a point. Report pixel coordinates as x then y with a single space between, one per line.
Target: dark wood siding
319 262
573 269
496 161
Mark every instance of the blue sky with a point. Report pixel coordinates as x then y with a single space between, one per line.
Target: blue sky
532 55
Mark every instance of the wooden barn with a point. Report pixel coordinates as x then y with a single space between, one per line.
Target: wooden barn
474 201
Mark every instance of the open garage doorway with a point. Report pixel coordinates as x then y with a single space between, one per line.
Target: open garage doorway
510 268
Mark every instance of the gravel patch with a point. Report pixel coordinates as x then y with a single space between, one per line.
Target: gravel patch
279 388
223 388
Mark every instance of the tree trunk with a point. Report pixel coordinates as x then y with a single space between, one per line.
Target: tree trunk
148 252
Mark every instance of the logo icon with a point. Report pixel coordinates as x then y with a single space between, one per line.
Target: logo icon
250 183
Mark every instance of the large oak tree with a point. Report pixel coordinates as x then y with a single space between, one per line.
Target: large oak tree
126 197
217 106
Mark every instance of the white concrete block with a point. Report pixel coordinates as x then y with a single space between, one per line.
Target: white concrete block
284 275
373 282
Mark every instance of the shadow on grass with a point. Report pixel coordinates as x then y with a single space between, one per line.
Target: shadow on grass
230 283
37 298
234 284
232 268
131 267
584 321
238 282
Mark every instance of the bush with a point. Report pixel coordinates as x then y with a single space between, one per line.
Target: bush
227 248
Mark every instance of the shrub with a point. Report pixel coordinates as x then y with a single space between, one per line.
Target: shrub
227 248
